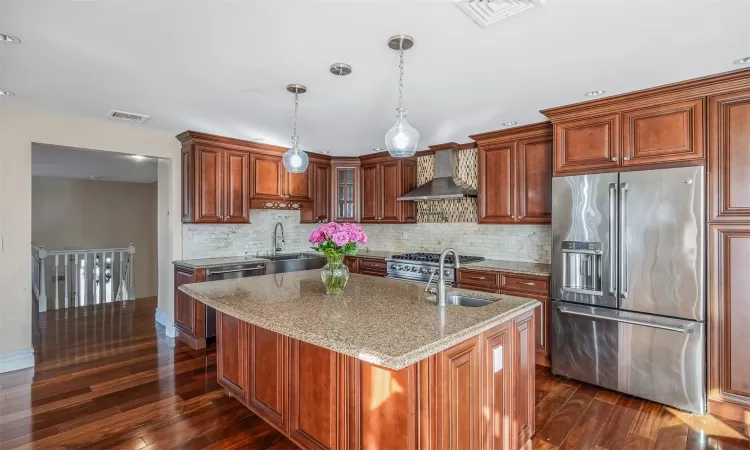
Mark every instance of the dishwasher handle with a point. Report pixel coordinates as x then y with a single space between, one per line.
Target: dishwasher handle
210 272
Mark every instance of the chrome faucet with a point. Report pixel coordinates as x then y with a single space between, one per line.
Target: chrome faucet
275 245
442 289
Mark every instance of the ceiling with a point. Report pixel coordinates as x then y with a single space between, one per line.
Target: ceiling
222 66
66 162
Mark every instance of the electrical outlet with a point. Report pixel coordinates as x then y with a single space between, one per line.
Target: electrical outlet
405 235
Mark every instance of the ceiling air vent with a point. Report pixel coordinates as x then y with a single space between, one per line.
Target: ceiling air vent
487 12
130 117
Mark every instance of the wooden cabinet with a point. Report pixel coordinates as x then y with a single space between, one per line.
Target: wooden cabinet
372 266
313 390
523 372
215 185
189 314
587 145
352 263
320 190
497 394
272 182
383 181
459 378
664 133
345 193
515 175
729 315
729 157
232 337
268 354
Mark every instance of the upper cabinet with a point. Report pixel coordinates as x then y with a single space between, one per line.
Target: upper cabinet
223 178
384 180
345 189
660 127
215 185
729 157
515 175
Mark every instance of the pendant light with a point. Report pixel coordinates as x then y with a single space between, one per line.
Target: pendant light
401 140
295 160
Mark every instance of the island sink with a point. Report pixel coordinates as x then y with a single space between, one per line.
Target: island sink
378 367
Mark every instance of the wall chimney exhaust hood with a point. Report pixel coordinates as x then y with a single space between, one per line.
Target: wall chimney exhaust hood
445 184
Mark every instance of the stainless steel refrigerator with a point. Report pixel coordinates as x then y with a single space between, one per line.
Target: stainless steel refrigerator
628 283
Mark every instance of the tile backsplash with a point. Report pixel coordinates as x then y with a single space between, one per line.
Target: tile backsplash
530 243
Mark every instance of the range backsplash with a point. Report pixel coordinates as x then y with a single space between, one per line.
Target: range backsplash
531 243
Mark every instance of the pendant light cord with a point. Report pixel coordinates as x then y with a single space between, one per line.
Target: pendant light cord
296 107
401 76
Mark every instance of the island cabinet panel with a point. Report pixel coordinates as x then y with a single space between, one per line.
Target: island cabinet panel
189 314
268 393
523 372
497 388
729 157
385 414
232 338
664 133
588 144
459 379
313 399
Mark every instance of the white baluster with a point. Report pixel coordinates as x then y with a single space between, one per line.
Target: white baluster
57 285
102 290
67 298
131 272
77 272
120 281
42 275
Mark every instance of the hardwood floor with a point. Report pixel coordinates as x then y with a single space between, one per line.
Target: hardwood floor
107 378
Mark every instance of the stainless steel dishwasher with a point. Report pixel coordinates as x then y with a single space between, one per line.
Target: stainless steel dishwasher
228 272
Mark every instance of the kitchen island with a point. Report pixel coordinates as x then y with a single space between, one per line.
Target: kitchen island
380 366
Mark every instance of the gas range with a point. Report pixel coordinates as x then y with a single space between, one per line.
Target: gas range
419 266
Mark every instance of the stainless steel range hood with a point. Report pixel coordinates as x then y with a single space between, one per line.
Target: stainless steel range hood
445 184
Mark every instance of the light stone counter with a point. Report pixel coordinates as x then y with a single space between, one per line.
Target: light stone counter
511 267
391 323
209 263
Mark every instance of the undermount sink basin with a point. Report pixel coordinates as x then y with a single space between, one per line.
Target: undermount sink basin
465 300
293 262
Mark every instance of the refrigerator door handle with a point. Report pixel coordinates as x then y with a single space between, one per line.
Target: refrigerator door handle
623 251
685 330
612 237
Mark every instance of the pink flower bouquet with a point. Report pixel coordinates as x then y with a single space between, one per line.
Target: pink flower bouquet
336 240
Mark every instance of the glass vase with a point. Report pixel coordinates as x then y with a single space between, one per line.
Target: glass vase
335 274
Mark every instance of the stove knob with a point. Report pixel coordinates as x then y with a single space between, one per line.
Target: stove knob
422 270
393 266
413 269
446 273
436 271
399 267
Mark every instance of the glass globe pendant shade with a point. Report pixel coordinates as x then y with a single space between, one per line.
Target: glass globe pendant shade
402 140
295 160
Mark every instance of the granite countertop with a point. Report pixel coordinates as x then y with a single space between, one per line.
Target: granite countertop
511 267
391 323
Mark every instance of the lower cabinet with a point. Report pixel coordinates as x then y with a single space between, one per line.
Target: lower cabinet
189 314
729 316
478 394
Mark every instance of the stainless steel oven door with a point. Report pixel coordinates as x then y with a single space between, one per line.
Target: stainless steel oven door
652 357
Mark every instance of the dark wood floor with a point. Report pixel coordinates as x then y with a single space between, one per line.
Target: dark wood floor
107 378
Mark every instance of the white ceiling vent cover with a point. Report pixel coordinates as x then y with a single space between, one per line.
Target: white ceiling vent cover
487 12
130 117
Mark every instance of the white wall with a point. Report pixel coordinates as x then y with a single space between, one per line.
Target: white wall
72 214
18 130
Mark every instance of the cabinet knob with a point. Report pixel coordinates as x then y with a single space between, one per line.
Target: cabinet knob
614 158
627 158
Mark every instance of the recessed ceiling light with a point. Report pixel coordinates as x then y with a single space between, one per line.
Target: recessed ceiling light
7 93
96 177
595 93
745 60
325 152
138 157
257 139
510 123
8 39
377 149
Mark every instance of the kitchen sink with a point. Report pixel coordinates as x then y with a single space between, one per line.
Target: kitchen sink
465 300
293 262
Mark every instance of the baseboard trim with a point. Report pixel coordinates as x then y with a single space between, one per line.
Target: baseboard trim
17 360
163 318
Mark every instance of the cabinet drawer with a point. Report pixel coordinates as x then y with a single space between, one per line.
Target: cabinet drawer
480 278
526 284
370 266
